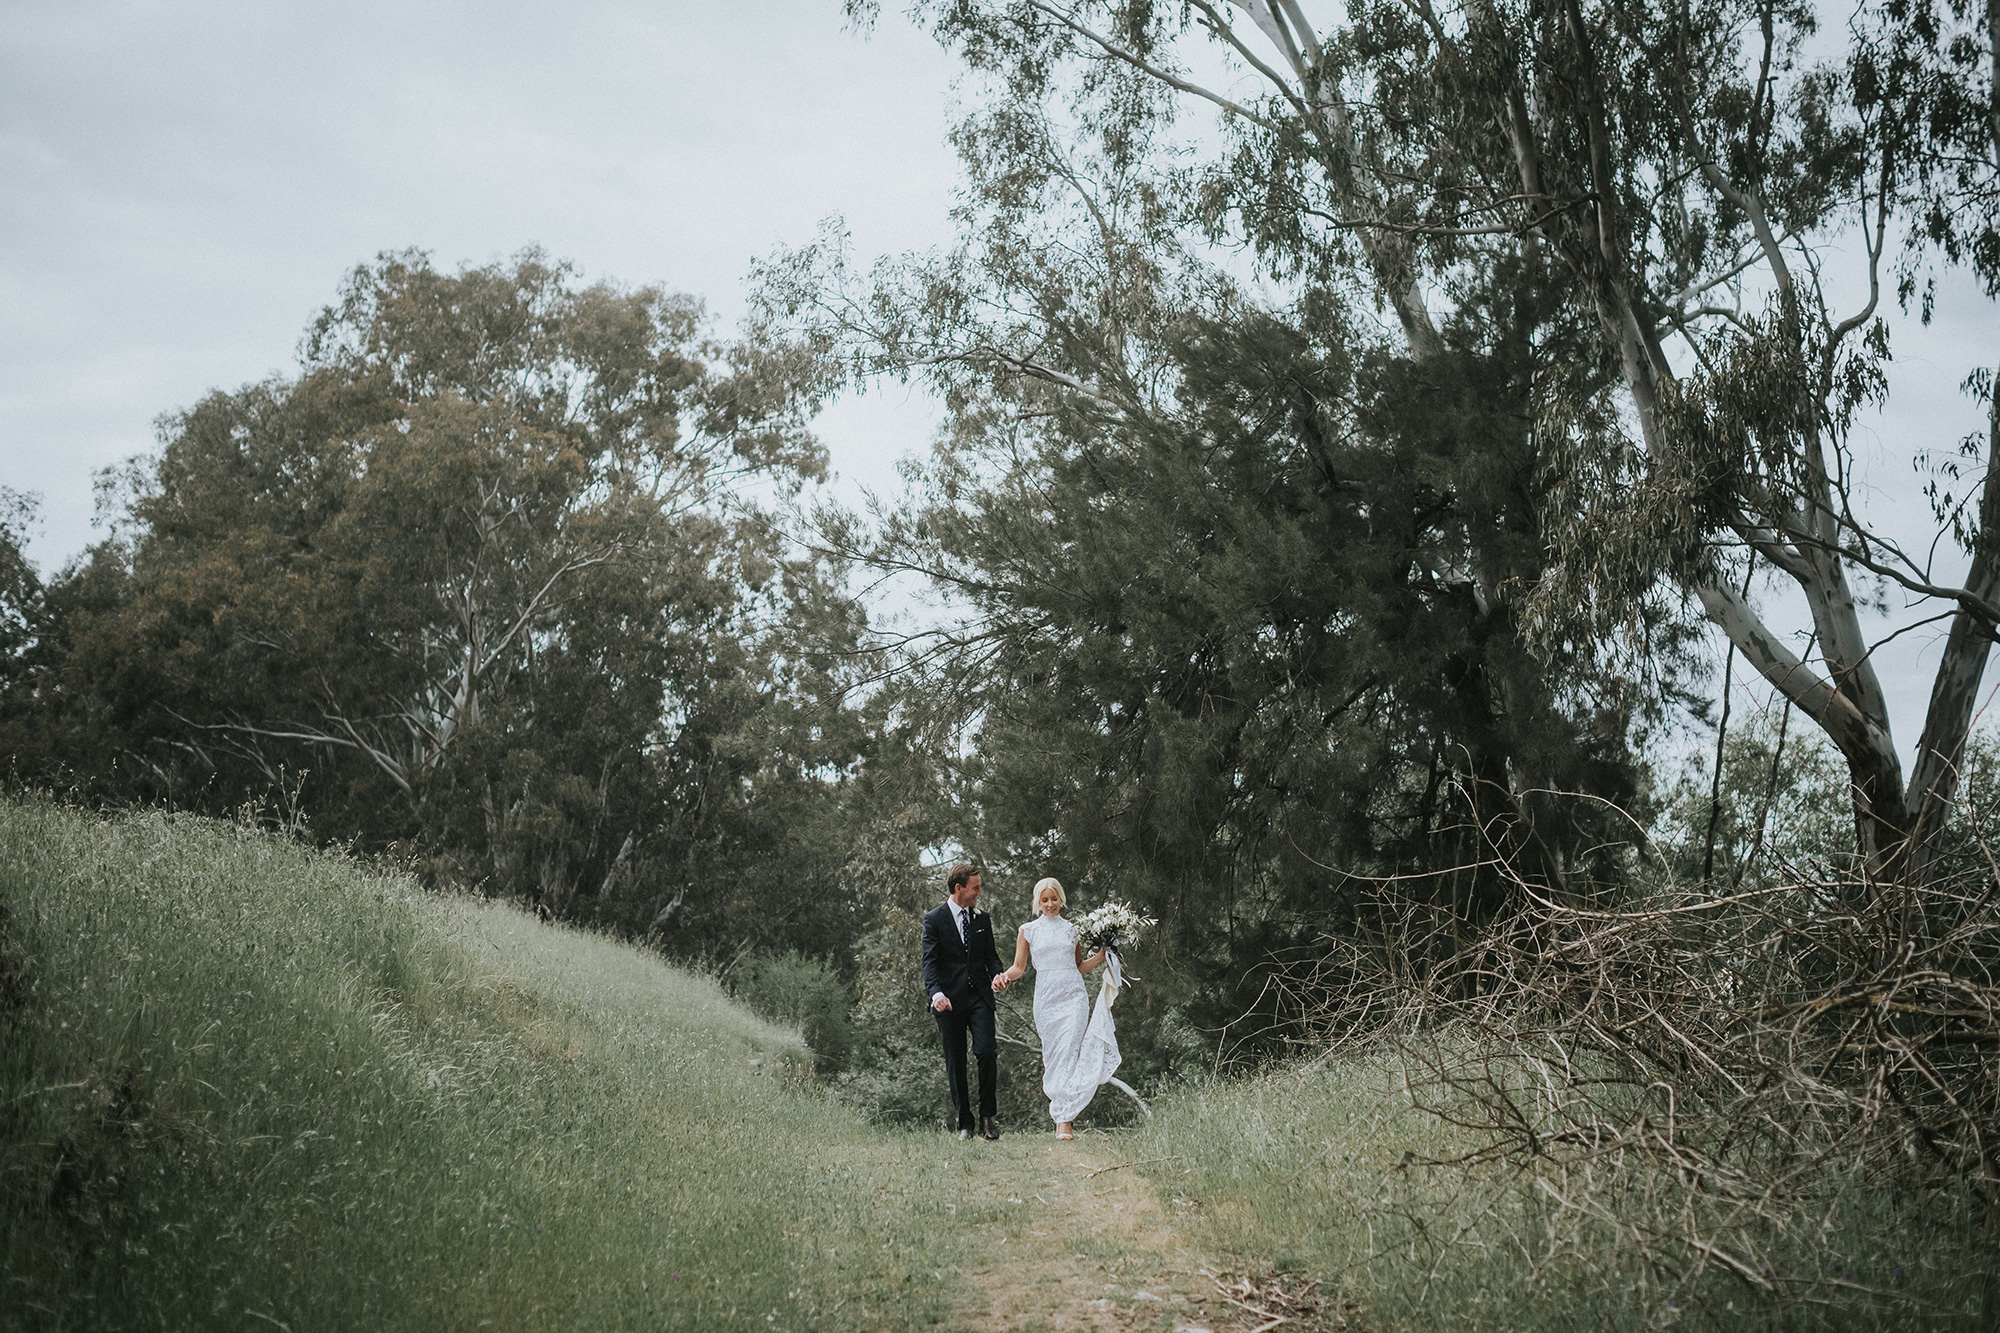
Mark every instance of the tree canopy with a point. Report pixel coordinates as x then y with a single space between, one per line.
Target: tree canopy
1637 204
480 586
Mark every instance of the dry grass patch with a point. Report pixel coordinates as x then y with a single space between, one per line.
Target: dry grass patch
1079 1238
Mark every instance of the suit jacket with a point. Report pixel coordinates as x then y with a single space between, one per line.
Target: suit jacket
962 969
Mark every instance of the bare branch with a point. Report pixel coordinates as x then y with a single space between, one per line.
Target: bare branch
1145 66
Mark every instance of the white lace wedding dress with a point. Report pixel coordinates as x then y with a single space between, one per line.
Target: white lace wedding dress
1079 1047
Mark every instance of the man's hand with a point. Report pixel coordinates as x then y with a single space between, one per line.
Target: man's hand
999 982
940 1002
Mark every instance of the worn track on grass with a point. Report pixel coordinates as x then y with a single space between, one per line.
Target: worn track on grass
1071 1237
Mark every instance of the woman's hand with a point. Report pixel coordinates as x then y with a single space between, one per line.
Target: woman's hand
1086 965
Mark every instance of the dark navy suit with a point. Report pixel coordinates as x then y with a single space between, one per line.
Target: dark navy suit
963 971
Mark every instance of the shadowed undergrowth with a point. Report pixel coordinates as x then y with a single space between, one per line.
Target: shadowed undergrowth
243 1082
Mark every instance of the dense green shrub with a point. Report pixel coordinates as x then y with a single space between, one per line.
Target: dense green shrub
800 991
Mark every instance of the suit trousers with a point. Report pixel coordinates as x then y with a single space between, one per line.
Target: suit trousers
954 1025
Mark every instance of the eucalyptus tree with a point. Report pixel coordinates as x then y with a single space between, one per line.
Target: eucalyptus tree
1679 177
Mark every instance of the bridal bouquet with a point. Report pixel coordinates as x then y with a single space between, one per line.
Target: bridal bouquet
1111 926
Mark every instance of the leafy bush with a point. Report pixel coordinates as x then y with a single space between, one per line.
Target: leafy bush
803 992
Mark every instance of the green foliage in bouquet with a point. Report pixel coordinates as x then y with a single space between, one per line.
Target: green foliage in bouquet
1114 925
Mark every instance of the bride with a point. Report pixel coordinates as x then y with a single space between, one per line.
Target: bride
1079 1050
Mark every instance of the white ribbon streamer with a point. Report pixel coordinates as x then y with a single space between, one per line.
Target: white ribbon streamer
1115 976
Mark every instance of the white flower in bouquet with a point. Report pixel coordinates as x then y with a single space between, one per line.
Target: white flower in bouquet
1113 925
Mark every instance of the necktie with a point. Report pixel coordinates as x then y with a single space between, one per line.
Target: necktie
964 926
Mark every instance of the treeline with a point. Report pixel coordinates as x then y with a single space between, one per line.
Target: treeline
1319 539
500 585
507 584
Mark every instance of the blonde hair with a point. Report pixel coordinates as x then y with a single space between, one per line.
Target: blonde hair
1062 899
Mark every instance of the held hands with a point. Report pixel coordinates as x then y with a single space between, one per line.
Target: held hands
1001 980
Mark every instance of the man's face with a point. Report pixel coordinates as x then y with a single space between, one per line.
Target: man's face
966 895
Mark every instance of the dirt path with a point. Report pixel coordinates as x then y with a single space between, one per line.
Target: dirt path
1075 1239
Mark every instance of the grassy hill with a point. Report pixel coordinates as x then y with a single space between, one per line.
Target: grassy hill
244 1085
247 1085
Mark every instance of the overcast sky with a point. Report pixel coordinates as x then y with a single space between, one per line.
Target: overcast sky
182 186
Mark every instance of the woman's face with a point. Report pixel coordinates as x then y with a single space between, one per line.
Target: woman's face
1048 902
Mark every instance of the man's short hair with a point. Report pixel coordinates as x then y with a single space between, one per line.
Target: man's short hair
960 873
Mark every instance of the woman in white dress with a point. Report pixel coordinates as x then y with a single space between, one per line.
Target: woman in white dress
1078 1052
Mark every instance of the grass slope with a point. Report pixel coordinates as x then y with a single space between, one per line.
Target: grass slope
244 1085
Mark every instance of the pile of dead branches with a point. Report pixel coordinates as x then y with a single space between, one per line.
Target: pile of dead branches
1744 1046
1267 1301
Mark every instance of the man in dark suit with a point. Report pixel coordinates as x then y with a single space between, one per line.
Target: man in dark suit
961 973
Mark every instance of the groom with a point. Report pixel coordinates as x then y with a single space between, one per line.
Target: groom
961 973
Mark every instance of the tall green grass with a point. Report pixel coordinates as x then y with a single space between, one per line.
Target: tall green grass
1319 1169
243 1085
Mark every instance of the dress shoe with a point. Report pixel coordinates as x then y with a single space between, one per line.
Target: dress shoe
989 1128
